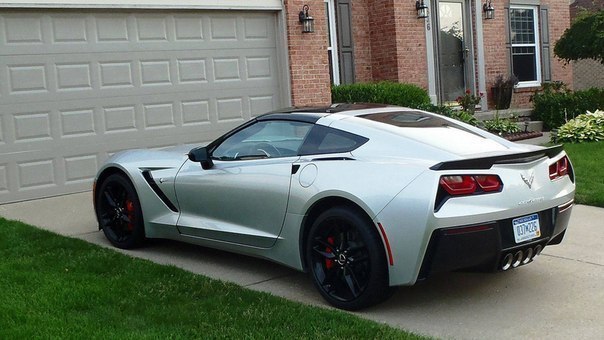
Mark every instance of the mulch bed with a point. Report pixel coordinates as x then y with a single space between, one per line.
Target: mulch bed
522 135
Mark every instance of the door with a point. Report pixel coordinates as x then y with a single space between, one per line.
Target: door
243 197
454 50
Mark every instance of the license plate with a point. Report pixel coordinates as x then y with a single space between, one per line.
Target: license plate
526 228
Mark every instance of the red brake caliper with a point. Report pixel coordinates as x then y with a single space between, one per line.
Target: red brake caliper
130 212
328 262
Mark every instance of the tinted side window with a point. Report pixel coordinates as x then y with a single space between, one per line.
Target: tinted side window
265 139
322 139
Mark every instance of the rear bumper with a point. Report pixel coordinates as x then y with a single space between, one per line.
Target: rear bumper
491 246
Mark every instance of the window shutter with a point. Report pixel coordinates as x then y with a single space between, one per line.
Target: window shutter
508 38
345 41
545 48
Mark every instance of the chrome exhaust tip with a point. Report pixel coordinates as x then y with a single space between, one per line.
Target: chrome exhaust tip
518 258
538 249
507 262
528 256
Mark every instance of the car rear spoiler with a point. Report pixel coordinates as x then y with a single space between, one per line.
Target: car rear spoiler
488 162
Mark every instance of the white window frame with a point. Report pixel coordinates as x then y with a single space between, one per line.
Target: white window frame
536 45
333 41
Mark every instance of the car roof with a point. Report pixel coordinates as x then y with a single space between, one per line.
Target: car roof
313 113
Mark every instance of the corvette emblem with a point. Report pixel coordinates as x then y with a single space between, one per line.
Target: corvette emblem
528 181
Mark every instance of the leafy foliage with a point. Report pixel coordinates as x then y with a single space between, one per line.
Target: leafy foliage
588 127
584 39
464 116
385 92
556 104
469 100
501 125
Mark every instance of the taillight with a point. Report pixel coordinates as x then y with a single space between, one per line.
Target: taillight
489 183
465 185
460 185
558 169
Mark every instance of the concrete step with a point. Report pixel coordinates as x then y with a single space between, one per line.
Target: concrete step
530 125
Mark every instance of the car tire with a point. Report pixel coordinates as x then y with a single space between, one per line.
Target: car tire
346 260
119 212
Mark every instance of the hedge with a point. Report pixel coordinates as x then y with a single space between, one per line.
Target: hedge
385 92
554 107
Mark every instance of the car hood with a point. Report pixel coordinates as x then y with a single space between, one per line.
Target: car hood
172 157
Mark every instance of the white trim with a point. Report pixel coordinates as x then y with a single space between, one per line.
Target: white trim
148 4
430 56
481 67
283 56
536 45
333 41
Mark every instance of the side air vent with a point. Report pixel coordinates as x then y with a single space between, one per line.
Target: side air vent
149 178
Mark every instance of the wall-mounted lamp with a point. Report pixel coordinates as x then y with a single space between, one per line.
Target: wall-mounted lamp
489 10
422 9
306 20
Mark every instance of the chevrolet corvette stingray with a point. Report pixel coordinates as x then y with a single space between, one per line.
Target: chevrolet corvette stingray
362 197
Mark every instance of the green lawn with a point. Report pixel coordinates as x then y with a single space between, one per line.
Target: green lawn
588 162
57 287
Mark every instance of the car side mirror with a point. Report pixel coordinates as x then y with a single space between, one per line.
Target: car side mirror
202 156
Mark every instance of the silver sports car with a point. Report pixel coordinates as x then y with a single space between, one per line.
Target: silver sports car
362 197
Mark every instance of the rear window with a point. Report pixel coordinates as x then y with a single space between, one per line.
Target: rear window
408 119
322 140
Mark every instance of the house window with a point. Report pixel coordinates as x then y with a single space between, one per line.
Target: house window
525 45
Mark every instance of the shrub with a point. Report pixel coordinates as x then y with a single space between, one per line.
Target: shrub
556 104
464 116
588 127
385 92
501 126
469 100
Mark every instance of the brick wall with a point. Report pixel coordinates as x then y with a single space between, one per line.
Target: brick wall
362 40
382 35
411 45
308 58
389 42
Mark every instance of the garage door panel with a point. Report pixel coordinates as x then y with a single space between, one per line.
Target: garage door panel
40 121
58 33
59 78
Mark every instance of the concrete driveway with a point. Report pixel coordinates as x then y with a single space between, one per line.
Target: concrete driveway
559 296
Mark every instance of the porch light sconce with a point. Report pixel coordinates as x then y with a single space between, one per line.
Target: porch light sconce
306 20
422 9
489 11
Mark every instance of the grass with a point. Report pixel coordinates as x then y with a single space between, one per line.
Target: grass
57 287
589 172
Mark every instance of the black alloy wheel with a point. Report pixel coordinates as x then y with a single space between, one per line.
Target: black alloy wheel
119 213
346 259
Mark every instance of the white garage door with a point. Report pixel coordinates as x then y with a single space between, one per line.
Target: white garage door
77 86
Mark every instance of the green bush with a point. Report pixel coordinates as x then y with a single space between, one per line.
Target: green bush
464 116
555 105
501 126
385 92
587 127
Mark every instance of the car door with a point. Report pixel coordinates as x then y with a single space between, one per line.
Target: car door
242 198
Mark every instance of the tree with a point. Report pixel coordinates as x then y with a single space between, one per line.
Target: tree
584 39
